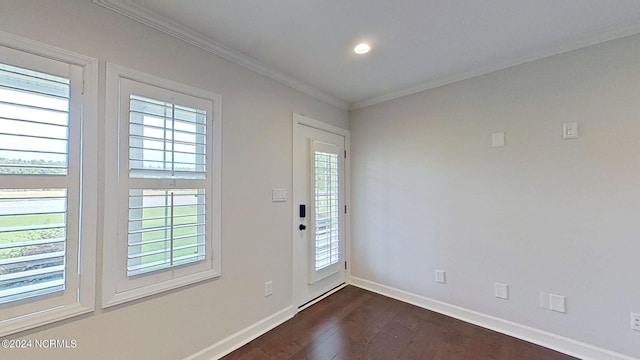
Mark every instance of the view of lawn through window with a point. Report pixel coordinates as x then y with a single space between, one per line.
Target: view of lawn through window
166 227
34 135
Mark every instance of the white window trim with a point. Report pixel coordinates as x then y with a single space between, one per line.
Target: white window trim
84 287
115 289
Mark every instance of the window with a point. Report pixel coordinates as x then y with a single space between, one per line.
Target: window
326 242
46 198
166 198
326 210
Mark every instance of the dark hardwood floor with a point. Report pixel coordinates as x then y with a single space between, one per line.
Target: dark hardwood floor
358 324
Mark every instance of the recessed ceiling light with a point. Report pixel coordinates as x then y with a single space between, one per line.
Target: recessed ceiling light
362 48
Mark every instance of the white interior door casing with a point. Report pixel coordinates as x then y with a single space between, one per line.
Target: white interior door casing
320 238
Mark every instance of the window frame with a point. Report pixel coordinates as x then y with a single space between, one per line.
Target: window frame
78 297
117 287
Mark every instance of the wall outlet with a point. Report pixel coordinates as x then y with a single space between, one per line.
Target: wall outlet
544 300
497 139
553 302
570 131
635 321
557 303
501 291
268 288
441 277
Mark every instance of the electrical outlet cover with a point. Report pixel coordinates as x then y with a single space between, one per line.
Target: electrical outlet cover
497 139
268 288
557 303
570 131
501 291
635 321
544 300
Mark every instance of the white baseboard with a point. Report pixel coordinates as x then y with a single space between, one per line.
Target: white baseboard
244 336
552 341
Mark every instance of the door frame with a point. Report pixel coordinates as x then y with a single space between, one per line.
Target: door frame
299 119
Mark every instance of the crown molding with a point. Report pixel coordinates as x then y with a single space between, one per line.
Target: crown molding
589 40
149 18
176 30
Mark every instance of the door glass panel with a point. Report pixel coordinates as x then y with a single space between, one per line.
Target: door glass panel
326 200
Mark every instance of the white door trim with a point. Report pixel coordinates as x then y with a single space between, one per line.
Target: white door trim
299 119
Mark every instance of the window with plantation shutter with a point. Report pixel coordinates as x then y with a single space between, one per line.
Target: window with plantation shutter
166 228
44 118
327 229
34 136
326 210
168 186
166 140
34 143
33 236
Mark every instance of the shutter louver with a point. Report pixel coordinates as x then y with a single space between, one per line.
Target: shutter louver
166 226
327 207
166 140
34 136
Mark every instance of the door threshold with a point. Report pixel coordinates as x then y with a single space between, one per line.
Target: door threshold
321 297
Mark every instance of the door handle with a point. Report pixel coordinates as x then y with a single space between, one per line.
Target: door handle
302 227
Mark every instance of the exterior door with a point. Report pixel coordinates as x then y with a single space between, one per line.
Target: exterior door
319 209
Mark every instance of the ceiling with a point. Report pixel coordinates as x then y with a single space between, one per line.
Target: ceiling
417 44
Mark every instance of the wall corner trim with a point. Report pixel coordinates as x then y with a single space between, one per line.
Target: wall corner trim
536 336
244 336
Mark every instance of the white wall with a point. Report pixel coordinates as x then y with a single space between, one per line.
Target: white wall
541 214
257 145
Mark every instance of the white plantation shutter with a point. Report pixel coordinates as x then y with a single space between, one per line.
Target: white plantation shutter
32 249
326 204
326 210
166 228
34 131
168 192
166 140
34 152
48 154
167 175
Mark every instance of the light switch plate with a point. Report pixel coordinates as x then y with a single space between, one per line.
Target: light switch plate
570 131
279 195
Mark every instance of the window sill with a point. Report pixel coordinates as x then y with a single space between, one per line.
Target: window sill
15 325
153 289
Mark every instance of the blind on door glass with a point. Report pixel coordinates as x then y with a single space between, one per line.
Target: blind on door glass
166 228
327 207
166 140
